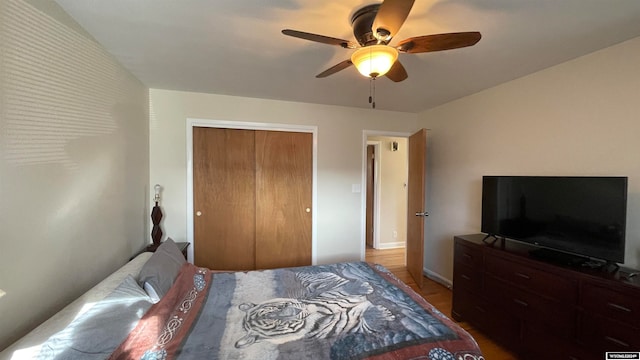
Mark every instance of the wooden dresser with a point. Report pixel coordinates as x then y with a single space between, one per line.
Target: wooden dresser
541 310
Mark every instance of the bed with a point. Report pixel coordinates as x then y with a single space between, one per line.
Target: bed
160 307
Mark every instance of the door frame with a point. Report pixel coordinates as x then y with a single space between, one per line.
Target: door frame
363 196
195 122
376 193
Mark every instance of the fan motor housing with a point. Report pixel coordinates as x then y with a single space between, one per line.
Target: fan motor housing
362 21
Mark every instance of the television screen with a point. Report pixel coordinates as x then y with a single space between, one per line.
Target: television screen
580 215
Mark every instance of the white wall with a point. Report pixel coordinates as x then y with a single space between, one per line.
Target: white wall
73 164
340 157
392 176
581 117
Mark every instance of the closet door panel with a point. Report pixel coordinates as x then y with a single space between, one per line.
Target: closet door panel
283 198
224 196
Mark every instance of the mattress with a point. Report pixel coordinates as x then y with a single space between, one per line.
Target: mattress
29 346
158 306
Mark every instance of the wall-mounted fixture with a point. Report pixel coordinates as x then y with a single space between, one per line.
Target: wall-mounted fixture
394 146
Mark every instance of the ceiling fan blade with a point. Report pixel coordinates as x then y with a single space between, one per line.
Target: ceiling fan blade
320 38
397 72
391 15
335 68
438 42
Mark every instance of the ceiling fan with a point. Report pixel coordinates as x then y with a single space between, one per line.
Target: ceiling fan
373 27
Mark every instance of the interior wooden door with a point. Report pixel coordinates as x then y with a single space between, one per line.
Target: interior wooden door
416 205
283 198
370 194
224 198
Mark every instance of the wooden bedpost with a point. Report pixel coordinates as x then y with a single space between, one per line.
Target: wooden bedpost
156 217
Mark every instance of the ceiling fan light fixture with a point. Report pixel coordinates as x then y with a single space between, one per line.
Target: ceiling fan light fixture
383 35
374 60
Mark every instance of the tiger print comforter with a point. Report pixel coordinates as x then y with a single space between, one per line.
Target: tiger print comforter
341 311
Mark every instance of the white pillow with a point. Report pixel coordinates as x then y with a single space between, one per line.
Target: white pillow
151 292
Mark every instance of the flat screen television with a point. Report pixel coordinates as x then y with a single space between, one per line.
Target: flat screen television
584 216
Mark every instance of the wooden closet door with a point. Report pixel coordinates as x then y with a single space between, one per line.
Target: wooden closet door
283 198
224 195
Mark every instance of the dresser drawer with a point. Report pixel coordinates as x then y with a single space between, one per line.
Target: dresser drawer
613 304
537 311
486 316
543 345
603 334
466 277
532 279
468 255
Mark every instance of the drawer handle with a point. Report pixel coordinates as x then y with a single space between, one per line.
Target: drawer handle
467 256
616 341
465 277
619 307
523 276
480 309
520 302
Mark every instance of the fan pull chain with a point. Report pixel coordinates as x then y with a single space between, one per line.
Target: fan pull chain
372 92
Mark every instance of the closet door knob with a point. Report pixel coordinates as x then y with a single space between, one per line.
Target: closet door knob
198 213
307 210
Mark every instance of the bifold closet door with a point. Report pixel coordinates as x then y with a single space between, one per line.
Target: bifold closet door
224 198
283 198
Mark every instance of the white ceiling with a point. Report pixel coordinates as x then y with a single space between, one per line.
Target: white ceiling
235 47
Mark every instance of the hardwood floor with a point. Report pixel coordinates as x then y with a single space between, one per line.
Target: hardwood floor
436 294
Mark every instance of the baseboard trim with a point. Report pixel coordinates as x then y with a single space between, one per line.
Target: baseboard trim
437 278
392 245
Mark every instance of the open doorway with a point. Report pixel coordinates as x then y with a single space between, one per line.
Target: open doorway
386 177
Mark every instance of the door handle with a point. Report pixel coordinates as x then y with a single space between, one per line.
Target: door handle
424 213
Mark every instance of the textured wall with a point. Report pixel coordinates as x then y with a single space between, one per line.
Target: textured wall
577 118
340 157
73 164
